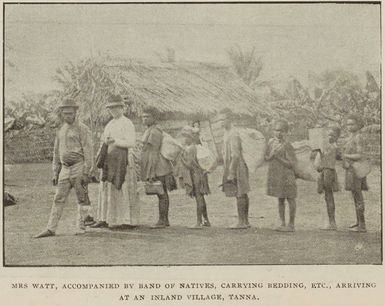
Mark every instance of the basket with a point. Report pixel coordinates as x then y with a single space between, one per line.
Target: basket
230 189
153 188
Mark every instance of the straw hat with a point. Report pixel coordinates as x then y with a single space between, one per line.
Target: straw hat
68 103
115 100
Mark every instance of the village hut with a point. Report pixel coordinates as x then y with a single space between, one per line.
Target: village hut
180 91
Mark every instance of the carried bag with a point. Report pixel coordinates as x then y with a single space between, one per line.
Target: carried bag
153 188
170 148
318 139
230 188
253 147
317 161
304 168
206 159
362 168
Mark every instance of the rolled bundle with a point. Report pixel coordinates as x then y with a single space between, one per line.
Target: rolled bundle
304 168
253 147
170 148
206 159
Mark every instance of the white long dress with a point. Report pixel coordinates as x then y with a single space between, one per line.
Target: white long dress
117 207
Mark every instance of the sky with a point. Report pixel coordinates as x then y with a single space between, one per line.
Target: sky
293 39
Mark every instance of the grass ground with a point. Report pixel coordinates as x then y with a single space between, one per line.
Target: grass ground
179 245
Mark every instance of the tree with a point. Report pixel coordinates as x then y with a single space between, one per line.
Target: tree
33 110
87 83
330 97
246 64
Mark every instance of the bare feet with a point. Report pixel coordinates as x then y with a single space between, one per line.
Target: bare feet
46 233
239 226
289 228
206 223
329 227
358 229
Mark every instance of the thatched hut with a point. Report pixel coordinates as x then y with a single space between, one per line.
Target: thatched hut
180 91
183 89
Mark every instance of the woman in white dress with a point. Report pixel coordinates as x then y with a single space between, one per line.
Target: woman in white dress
118 199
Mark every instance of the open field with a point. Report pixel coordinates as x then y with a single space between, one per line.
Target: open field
179 245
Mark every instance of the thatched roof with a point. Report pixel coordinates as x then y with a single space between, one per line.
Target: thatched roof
184 88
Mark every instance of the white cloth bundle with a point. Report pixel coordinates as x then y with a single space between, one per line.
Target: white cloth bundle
253 147
170 148
304 168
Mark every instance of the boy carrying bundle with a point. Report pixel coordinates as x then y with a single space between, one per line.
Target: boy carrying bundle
327 181
195 179
280 176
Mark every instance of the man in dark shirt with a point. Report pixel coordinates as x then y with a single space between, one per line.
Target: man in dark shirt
154 167
235 170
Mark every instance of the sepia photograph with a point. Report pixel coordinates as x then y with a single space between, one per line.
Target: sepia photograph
191 134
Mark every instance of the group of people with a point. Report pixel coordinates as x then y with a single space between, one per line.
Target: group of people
281 178
118 204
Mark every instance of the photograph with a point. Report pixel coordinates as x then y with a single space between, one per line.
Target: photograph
191 134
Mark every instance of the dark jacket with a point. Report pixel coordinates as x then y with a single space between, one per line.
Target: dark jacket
113 165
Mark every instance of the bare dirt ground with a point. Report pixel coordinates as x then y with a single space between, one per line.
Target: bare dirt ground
179 245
